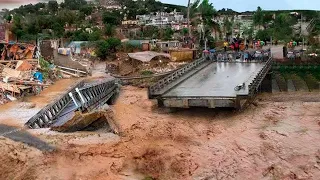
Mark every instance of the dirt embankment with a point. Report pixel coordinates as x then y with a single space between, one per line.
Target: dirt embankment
273 140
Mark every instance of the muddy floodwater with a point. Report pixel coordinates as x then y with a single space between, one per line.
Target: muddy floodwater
276 138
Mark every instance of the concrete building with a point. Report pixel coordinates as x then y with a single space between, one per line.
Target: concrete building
110 4
165 46
161 19
130 22
239 22
242 22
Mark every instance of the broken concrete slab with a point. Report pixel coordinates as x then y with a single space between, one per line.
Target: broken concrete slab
102 117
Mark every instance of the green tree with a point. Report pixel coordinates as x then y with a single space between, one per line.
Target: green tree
74 4
150 32
248 32
87 9
111 18
53 6
168 33
114 43
58 29
17 28
258 17
66 17
263 35
102 48
110 30
207 13
185 31
282 27
95 35
227 26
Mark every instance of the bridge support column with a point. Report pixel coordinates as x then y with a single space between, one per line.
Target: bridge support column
266 85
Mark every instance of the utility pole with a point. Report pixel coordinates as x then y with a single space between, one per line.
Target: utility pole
205 44
301 25
161 28
188 19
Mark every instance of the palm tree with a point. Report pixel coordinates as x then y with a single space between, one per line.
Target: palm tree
192 11
189 29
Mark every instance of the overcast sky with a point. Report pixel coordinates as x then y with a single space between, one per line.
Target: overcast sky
238 5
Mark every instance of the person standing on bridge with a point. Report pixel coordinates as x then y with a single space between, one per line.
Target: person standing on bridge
225 45
258 43
237 47
247 44
294 43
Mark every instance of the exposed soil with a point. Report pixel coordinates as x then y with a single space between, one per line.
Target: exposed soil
275 139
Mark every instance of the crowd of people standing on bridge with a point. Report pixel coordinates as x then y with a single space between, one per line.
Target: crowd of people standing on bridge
240 45
242 51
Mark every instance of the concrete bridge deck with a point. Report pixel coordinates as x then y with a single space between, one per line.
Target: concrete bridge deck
208 83
217 80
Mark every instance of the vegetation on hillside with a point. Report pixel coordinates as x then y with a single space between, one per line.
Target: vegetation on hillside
78 20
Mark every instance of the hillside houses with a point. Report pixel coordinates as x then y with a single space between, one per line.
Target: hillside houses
160 19
110 4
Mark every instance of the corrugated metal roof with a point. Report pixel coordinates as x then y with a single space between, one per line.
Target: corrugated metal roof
147 56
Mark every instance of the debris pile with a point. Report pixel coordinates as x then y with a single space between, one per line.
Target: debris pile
19 78
18 51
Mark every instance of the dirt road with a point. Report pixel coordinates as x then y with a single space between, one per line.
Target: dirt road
276 139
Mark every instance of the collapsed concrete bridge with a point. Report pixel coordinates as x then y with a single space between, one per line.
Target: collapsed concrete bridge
83 98
210 83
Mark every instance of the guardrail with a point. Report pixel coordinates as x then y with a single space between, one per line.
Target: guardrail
72 72
45 117
248 55
253 87
175 75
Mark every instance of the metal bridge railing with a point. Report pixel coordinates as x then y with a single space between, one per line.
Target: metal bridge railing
175 75
45 117
89 97
253 87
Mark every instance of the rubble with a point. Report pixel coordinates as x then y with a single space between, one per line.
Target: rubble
17 80
27 105
102 117
18 51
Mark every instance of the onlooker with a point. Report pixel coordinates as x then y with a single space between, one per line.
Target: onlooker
225 45
237 46
247 44
294 43
246 55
